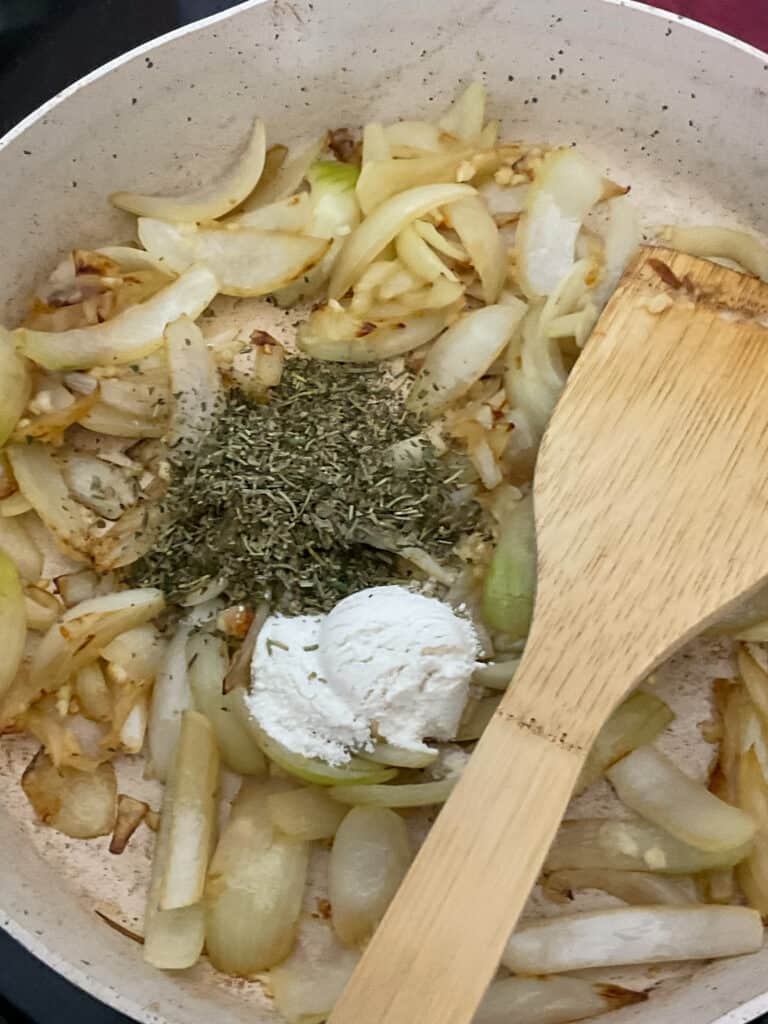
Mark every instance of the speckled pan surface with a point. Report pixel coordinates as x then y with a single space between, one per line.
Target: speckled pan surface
678 112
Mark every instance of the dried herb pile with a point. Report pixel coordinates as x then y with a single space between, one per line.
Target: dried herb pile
280 497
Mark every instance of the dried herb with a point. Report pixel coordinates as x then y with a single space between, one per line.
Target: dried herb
282 497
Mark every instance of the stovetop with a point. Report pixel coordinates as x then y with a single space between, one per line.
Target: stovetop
44 46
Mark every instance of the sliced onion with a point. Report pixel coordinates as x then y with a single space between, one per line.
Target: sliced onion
171 697
420 258
408 138
510 582
131 334
496 675
93 693
13 622
636 935
356 771
650 784
462 355
432 236
753 798
254 890
477 715
550 1001
20 548
81 804
632 846
306 986
210 201
282 177
370 856
416 794
208 664
375 144
138 653
42 608
721 243
75 587
634 887
195 384
14 505
130 814
464 118
15 385
134 728
105 419
337 336
306 814
239 673
636 721
190 804
291 214
480 237
621 238
382 178
40 480
397 757
103 488
246 261
754 678
565 189
131 260
383 226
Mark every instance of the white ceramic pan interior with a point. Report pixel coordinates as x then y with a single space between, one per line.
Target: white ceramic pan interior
678 112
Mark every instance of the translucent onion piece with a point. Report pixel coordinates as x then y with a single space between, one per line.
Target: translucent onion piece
755 680
14 505
632 846
566 187
13 622
42 608
753 798
462 355
190 804
722 243
93 693
386 753
636 721
621 238
404 137
376 341
370 856
103 488
195 383
282 176
246 261
130 259
382 178
81 804
40 480
210 201
496 675
306 986
464 118
171 697
130 814
138 653
15 385
439 242
510 581
105 419
550 1001
306 814
254 890
131 334
310 769
636 935
382 226
653 786
291 214
634 887
75 587
208 663
419 257
20 548
480 237
134 727
375 144
416 794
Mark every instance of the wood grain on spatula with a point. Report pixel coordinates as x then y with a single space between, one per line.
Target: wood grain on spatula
651 497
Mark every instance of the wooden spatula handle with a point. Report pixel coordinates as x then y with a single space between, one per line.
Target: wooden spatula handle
496 829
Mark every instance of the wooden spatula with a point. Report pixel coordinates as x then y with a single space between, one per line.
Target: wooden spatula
651 498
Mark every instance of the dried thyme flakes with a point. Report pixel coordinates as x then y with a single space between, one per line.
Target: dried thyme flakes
281 495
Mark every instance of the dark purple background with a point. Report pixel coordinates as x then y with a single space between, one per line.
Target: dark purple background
747 19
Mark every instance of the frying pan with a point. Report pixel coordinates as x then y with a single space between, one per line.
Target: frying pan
676 110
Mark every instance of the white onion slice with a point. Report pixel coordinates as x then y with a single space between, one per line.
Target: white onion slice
282 177
13 622
621 239
464 118
462 355
307 813
550 1001
636 935
171 697
632 846
419 257
416 794
370 856
210 201
382 178
721 243
479 235
40 480
15 385
405 137
195 383
565 189
134 333
649 783
634 887
246 261
21 548
386 222
291 214
319 336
